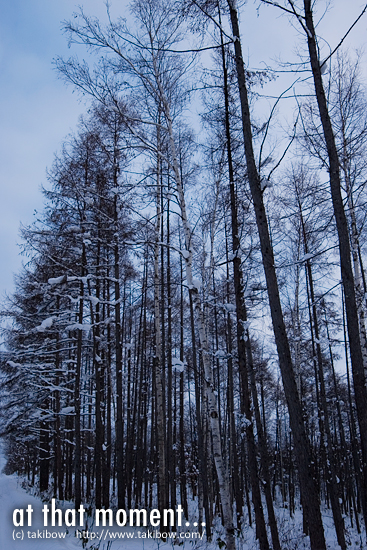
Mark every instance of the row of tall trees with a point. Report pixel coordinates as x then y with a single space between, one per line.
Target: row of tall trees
190 325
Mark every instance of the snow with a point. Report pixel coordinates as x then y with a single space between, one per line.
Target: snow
56 280
185 254
13 496
323 66
305 258
67 410
13 365
178 365
46 323
79 326
265 183
196 284
220 354
94 300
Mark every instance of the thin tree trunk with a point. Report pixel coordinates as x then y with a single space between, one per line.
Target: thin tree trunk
182 460
44 450
77 400
352 425
324 417
208 382
171 454
119 427
244 348
359 381
158 359
356 256
59 477
310 496
199 406
329 466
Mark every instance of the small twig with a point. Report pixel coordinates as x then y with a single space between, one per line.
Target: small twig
345 36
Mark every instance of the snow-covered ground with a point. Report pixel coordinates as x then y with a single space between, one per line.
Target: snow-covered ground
12 497
38 537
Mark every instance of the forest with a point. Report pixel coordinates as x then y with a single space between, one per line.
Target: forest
189 324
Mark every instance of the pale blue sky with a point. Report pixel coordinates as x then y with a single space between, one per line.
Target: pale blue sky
37 110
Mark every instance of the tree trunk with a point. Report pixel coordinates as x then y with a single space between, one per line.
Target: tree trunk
194 291
244 348
353 327
77 400
44 453
119 426
324 417
158 359
310 496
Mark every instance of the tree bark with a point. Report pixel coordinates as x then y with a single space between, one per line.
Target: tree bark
119 426
310 496
353 327
158 358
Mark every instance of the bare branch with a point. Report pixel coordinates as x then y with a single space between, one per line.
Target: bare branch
230 38
345 36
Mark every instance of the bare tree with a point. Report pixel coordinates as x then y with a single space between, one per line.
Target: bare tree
305 19
310 497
